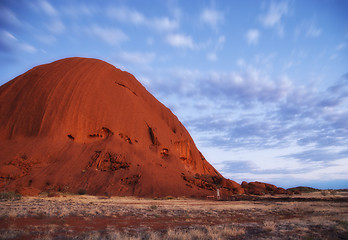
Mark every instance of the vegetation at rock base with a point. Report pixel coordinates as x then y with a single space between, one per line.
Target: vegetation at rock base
81 191
10 196
304 189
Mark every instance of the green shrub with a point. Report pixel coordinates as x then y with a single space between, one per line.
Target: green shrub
10 196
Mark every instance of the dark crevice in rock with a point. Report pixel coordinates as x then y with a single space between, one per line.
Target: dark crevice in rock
122 85
165 152
104 132
125 138
153 138
107 131
108 162
71 137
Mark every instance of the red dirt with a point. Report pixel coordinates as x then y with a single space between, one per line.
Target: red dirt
271 218
81 224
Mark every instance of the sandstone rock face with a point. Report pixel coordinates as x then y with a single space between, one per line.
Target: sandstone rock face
259 188
81 123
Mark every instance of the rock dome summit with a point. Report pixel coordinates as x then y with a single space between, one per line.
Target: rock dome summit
83 124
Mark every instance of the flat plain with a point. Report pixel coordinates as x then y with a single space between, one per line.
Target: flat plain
66 216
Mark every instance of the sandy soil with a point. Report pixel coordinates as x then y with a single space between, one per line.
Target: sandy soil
307 216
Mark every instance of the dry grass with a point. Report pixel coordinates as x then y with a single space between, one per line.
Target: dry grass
200 233
269 226
89 217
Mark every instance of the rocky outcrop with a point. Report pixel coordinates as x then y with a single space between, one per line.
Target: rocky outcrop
259 188
81 123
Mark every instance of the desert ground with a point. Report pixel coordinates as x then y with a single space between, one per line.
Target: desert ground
320 215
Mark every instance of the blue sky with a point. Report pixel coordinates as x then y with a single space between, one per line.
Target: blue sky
262 86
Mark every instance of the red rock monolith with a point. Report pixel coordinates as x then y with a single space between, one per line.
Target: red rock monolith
82 124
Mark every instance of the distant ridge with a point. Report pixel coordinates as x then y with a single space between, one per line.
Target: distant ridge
302 189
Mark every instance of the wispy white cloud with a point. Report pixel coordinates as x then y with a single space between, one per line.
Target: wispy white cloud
249 84
56 26
81 10
304 174
46 38
337 51
53 17
9 43
7 37
27 47
275 13
340 46
149 40
8 16
252 36
313 31
180 40
221 41
212 17
112 36
212 56
273 18
257 110
137 57
47 8
163 24
307 29
125 14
